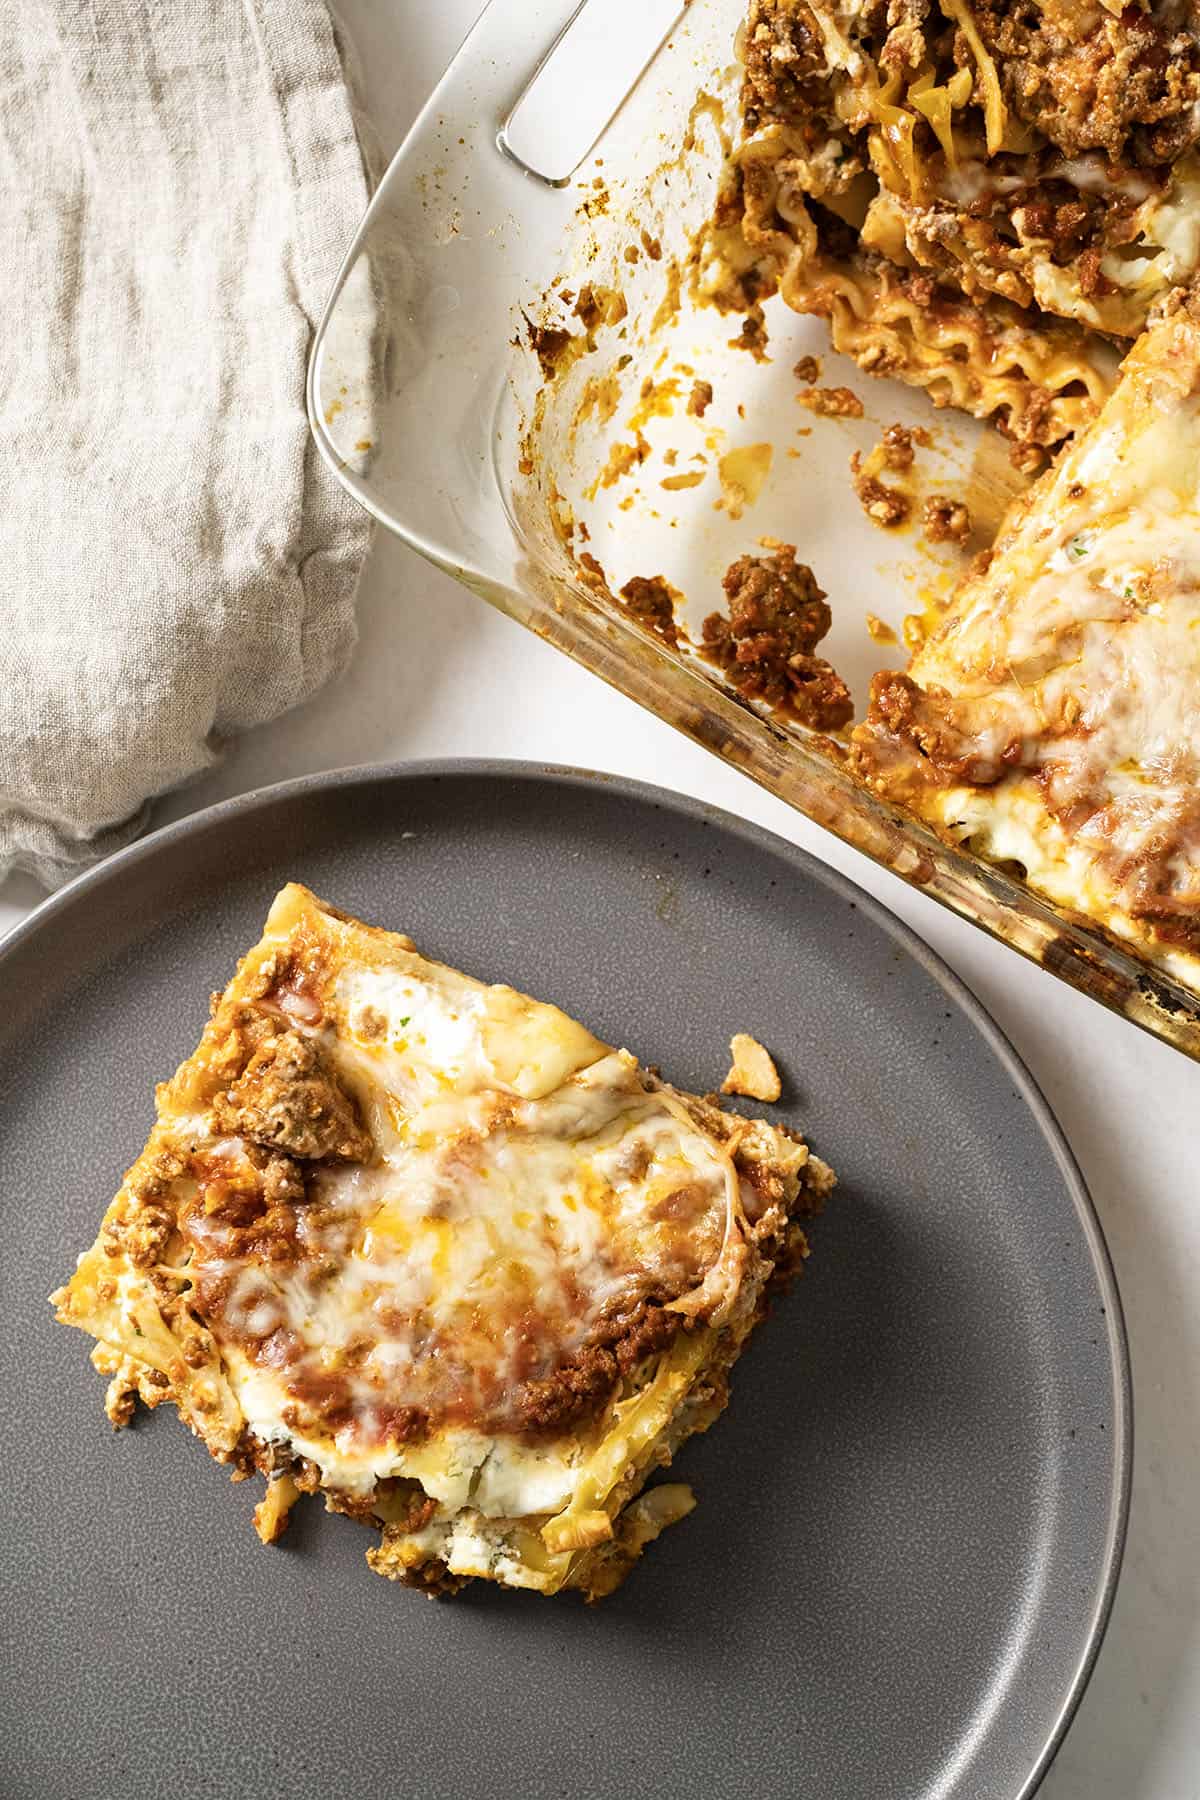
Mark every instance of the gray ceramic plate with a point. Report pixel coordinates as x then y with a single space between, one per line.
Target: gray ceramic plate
911 1517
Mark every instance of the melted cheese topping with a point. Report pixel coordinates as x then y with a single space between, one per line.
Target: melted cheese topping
484 1320
1163 251
527 1185
1068 674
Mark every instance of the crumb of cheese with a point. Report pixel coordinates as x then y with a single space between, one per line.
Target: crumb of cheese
743 472
274 1509
582 1531
753 1073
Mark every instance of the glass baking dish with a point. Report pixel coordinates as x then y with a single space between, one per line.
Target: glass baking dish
500 215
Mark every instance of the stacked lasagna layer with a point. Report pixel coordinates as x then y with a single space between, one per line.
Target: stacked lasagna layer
985 197
1052 721
432 1249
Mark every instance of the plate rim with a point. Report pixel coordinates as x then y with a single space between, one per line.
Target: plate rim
568 776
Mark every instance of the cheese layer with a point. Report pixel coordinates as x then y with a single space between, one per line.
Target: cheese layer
528 1196
1054 715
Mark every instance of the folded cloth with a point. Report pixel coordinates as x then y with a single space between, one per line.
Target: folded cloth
181 179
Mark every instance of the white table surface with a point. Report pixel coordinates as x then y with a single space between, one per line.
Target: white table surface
438 673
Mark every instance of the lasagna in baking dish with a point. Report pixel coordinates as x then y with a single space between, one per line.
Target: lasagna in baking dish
984 197
432 1249
999 201
1052 720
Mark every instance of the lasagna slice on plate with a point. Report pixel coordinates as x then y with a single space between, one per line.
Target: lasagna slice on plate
430 1248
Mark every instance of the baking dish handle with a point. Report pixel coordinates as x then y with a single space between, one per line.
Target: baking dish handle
579 85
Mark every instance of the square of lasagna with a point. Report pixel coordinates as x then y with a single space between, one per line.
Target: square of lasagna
430 1248
1051 721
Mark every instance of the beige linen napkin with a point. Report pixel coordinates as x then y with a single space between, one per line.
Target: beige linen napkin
180 181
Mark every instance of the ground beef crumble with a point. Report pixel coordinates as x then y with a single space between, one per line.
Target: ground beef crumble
592 576
753 335
926 721
896 447
1091 79
777 617
617 1346
887 506
832 403
700 398
288 1099
650 599
1087 77
946 520
783 51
